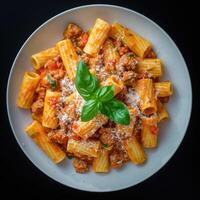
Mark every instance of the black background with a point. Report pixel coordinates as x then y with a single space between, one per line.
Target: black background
19 177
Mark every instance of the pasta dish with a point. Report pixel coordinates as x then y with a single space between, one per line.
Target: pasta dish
96 97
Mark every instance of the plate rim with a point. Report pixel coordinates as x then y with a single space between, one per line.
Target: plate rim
157 169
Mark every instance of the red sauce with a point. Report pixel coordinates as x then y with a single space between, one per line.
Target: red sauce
123 50
74 126
52 101
154 129
41 71
85 39
76 137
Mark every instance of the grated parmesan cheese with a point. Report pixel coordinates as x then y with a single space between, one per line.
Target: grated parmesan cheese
67 87
65 118
132 98
79 102
118 139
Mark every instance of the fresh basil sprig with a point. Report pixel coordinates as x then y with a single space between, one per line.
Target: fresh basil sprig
52 81
105 93
99 99
90 110
86 83
116 111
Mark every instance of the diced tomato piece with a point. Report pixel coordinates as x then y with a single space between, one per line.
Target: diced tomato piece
154 129
41 70
52 66
123 50
74 125
85 39
76 137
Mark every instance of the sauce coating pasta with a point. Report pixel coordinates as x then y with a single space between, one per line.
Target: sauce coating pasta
116 56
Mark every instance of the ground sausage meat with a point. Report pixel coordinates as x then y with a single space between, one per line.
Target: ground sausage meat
41 91
116 159
57 74
128 61
72 31
80 166
37 106
106 136
58 136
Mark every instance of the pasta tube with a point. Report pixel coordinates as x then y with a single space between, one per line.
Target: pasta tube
135 42
97 37
69 57
113 80
37 132
39 59
110 55
135 151
149 132
127 130
162 112
87 129
101 162
49 118
152 67
83 147
164 89
27 90
144 87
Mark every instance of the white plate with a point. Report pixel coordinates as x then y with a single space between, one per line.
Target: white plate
171 132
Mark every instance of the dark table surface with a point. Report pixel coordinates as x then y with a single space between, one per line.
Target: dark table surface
19 176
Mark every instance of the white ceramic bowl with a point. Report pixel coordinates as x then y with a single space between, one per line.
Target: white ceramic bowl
171 132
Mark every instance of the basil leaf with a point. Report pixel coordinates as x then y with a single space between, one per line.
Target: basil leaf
105 145
98 99
86 84
70 157
52 82
90 110
116 111
132 55
105 93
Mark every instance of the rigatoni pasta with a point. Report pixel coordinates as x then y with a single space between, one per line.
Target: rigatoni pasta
111 55
126 131
39 59
27 89
87 129
97 37
149 132
162 111
147 96
83 147
113 80
69 57
135 151
152 67
135 42
101 162
163 89
81 116
49 118
37 132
